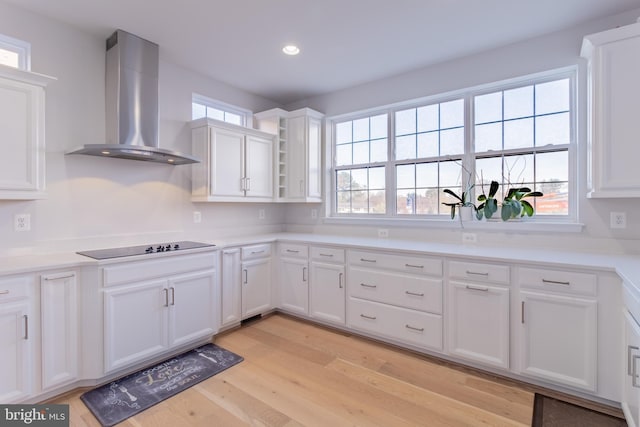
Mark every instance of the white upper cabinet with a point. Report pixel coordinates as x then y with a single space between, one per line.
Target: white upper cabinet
22 108
236 163
614 102
299 153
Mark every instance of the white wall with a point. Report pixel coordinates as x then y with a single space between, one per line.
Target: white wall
536 55
92 201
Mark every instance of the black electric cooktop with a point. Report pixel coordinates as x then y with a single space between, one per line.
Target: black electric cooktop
143 249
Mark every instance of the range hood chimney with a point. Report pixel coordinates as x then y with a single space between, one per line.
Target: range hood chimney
132 104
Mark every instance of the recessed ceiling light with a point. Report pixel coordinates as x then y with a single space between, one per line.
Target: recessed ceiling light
291 49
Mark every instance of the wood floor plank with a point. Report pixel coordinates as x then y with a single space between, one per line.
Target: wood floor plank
298 374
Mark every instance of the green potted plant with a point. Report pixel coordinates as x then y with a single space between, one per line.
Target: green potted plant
489 204
514 205
462 201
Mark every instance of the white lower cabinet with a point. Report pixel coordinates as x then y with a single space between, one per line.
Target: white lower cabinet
256 280
327 292
478 323
558 339
191 313
231 287
294 285
59 311
631 382
16 338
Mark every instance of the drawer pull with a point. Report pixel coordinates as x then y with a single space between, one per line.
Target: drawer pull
367 260
414 266
293 251
26 327
415 294
634 373
327 255
4 292
257 252
476 273
368 286
368 317
476 288
340 280
630 348
69 276
556 282
413 328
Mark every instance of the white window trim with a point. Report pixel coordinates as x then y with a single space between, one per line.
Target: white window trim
21 47
559 223
247 115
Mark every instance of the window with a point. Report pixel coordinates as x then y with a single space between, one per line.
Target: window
206 107
397 161
15 53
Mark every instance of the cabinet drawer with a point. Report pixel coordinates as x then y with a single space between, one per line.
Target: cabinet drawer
408 263
256 251
404 290
558 280
136 271
320 253
479 272
12 288
400 324
292 250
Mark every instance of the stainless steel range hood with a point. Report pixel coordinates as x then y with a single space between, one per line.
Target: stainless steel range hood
132 104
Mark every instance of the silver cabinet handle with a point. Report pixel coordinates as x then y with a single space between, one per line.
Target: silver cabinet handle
248 184
304 274
414 266
166 297
246 276
415 294
243 187
413 328
327 255
4 292
630 348
477 273
368 286
477 288
69 276
556 282
368 317
26 326
257 252
293 251
173 295
367 260
634 373
522 312
340 280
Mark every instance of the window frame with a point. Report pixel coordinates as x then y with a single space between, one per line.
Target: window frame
246 116
469 155
21 47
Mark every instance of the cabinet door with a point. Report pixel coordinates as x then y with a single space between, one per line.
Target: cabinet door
192 309
135 323
227 163
631 386
293 276
296 157
22 131
15 354
59 308
256 287
479 323
558 339
259 167
327 292
231 311
314 156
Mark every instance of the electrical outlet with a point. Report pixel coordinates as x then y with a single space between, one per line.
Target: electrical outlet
618 220
383 232
197 217
261 214
22 222
314 213
469 238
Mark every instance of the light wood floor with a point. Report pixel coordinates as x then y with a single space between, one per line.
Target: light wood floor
296 373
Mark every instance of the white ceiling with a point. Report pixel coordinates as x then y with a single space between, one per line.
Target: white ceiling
344 42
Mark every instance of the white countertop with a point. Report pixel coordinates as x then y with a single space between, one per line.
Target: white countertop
628 267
